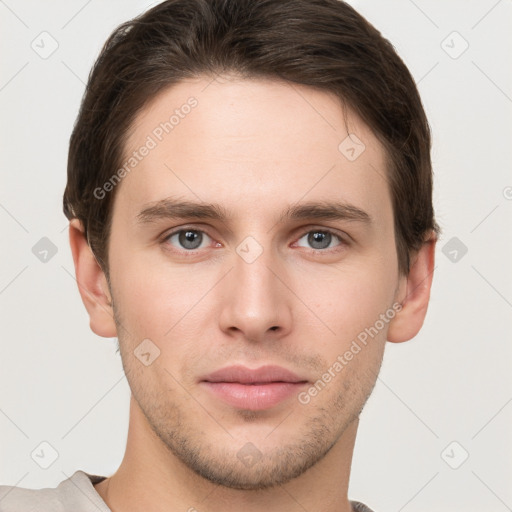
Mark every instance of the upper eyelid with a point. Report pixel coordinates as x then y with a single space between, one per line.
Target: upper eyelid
167 234
325 230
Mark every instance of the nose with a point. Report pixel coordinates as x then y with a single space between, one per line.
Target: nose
256 303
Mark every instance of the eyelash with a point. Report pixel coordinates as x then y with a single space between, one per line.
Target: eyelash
193 252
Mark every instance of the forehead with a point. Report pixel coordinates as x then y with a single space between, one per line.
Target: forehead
251 145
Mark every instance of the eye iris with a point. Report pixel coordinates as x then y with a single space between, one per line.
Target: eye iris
190 239
319 237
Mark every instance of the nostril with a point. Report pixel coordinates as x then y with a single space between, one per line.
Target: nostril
274 328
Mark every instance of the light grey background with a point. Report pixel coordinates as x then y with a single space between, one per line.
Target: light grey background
63 385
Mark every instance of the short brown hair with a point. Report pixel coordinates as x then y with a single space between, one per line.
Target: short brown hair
324 44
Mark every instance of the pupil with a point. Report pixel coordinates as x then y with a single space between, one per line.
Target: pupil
319 239
190 239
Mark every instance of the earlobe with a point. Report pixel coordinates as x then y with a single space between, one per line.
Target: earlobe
92 283
414 295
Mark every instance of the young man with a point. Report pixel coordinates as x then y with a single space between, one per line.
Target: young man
249 194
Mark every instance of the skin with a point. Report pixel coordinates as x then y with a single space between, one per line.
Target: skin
255 147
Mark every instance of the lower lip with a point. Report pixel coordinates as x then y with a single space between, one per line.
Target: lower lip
255 397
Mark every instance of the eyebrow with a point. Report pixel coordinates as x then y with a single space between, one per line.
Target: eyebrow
170 208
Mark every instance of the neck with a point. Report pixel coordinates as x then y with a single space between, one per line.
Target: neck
150 477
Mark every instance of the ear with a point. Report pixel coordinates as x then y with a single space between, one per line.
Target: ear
413 294
92 283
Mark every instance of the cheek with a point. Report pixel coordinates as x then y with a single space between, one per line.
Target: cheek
153 298
348 302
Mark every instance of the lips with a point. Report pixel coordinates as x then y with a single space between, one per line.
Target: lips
253 389
262 375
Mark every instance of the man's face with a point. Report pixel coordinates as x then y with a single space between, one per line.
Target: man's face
255 287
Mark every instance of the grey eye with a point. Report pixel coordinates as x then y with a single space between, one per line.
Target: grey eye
318 239
189 239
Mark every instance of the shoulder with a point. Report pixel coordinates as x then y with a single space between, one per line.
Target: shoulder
360 507
75 493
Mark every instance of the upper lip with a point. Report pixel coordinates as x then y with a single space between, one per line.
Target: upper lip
261 375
